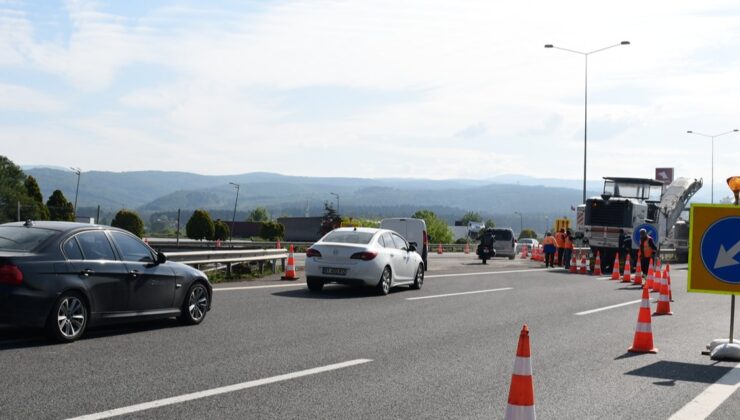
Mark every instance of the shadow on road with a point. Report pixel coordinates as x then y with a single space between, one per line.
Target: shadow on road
679 371
336 292
18 338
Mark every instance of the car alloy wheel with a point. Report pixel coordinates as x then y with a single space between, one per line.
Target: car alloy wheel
419 278
196 304
71 317
384 286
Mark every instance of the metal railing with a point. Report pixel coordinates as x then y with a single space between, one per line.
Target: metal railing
226 259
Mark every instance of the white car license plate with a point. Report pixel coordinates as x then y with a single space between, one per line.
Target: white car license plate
334 271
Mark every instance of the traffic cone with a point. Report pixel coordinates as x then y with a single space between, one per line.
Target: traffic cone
584 265
290 267
627 271
525 251
643 341
638 270
521 392
615 268
656 276
439 249
573 264
597 264
651 275
670 292
664 302
467 248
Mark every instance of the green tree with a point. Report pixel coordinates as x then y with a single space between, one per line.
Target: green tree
437 229
12 190
331 219
130 221
272 230
38 210
490 224
471 216
221 230
259 214
527 233
200 226
60 208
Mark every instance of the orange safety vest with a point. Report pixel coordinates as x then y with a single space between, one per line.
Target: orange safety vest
646 249
549 240
568 243
559 240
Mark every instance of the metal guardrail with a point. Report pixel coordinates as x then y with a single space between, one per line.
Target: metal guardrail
230 257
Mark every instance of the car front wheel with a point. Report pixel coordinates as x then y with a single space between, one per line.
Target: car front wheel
419 278
195 306
384 285
68 318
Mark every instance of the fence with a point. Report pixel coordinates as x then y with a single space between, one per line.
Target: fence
228 258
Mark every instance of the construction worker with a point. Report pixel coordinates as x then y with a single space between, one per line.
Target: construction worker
549 246
560 243
568 245
647 250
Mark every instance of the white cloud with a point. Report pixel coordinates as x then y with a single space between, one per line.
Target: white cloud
19 98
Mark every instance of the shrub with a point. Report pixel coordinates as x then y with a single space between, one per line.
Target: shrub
200 226
130 221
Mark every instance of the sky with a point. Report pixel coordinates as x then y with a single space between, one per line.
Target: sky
419 89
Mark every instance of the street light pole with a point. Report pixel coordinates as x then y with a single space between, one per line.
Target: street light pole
233 217
713 136
521 222
337 196
77 190
585 100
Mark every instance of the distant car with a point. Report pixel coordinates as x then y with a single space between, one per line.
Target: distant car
68 276
378 258
529 242
413 230
505 243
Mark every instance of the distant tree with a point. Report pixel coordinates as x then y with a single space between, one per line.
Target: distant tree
200 226
471 216
331 219
12 190
272 230
437 229
490 224
60 208
221 230
527 233
727 200
130 221
259 214
38 210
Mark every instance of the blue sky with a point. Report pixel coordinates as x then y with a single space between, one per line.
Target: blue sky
424 89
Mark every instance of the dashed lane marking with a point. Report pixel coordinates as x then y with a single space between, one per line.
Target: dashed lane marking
712 397
606 308
218 391
460 294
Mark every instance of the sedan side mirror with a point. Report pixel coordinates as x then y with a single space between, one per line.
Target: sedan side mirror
161 258
412 246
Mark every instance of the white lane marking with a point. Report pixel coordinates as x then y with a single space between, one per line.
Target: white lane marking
217 391
632 302
712 397
483 273
460 294
218 289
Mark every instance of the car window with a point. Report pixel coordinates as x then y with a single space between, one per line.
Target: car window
400 242
16 238
502 235
72 249
388 241
131 248
349 237
95 246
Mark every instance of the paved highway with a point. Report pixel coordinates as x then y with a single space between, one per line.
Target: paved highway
271 349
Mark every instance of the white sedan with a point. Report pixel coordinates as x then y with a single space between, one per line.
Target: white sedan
378 258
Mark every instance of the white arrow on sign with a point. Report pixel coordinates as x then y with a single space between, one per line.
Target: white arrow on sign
726 258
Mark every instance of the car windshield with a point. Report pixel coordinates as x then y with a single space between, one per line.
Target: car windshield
23 239
349 237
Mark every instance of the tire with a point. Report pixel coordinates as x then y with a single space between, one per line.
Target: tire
418 278
195 306
384 285
511 257
314 285
68 318
424 258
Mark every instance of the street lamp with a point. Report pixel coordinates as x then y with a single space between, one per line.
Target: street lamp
337 196
521 222
233 217
713 137
77 190
585 100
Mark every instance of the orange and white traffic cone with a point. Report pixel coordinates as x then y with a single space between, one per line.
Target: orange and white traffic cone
440 250
597 264
643 341
583 268
521 392
573 264
670 293
651 275
627 271
638 270
290 267
525 251
658 275
615 268
664 302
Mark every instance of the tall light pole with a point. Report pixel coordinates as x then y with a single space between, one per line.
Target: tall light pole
233 217
77 190
713 137
337 196
521 222
585 100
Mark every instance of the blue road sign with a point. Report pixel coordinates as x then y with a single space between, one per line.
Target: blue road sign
651 231
720 250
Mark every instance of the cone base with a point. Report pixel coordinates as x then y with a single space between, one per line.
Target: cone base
636 350
658 313
289 278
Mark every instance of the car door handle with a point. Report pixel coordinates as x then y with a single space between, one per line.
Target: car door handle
134 273
86 272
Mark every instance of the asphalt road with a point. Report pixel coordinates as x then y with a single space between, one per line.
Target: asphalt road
440 357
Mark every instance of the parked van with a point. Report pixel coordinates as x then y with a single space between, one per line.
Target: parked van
414 230
505 244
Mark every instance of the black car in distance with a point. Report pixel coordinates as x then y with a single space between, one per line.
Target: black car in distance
66 276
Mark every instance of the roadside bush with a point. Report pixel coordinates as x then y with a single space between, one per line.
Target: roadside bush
527 233
221 230
130 221
272 230
437 228
60 208
200 226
